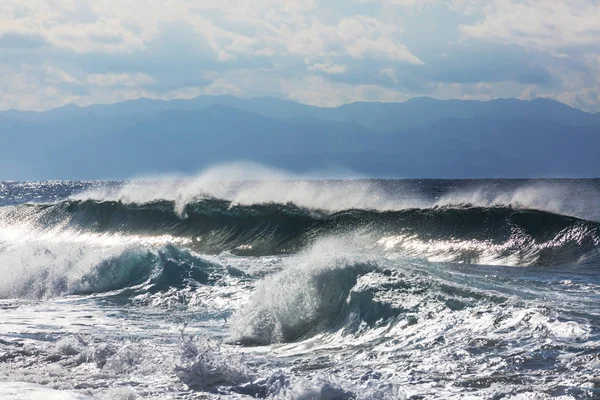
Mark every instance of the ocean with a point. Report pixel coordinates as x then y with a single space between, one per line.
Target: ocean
209 287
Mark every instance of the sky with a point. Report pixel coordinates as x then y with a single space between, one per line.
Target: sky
325 53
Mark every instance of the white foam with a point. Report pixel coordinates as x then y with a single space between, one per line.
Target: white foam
544 196
304 294
31 391
249 183
205 366
324 386
43 270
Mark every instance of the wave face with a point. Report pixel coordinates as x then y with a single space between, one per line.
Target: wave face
464 233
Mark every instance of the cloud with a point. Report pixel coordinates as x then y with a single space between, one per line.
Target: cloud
356 37
478 90
418 4
83 51
15 40
133 80
539 24
483 62
586 99
68 25
36 87
316 90
529 93
328 68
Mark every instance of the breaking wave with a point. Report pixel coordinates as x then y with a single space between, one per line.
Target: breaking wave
131 272
325 296
464 233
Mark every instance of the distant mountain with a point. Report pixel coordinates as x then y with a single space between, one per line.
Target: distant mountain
422 137
266 106
398 116
379 117
500 147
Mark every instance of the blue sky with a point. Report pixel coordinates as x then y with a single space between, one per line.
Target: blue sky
325 53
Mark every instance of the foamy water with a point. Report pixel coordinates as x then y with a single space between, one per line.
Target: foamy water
288 288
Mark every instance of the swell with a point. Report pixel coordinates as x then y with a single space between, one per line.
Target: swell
451 233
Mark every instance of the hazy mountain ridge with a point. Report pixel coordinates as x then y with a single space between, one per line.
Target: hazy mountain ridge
422 137
388 116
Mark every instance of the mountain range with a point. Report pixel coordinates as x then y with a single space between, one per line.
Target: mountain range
419 138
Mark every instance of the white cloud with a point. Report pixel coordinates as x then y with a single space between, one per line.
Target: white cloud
228 32
137 79
317 91
57 51
222 87
33 87
481 91
328 68
540 24
357 37
586 99
418 4
263 27
529 93
390 73
69 25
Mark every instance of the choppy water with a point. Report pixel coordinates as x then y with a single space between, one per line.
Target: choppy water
358 289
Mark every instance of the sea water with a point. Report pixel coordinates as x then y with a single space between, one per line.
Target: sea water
300 289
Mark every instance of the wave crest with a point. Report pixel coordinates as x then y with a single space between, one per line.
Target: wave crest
468 234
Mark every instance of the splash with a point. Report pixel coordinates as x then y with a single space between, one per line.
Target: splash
250 184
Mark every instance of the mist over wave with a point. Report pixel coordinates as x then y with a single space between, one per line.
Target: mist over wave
250 184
